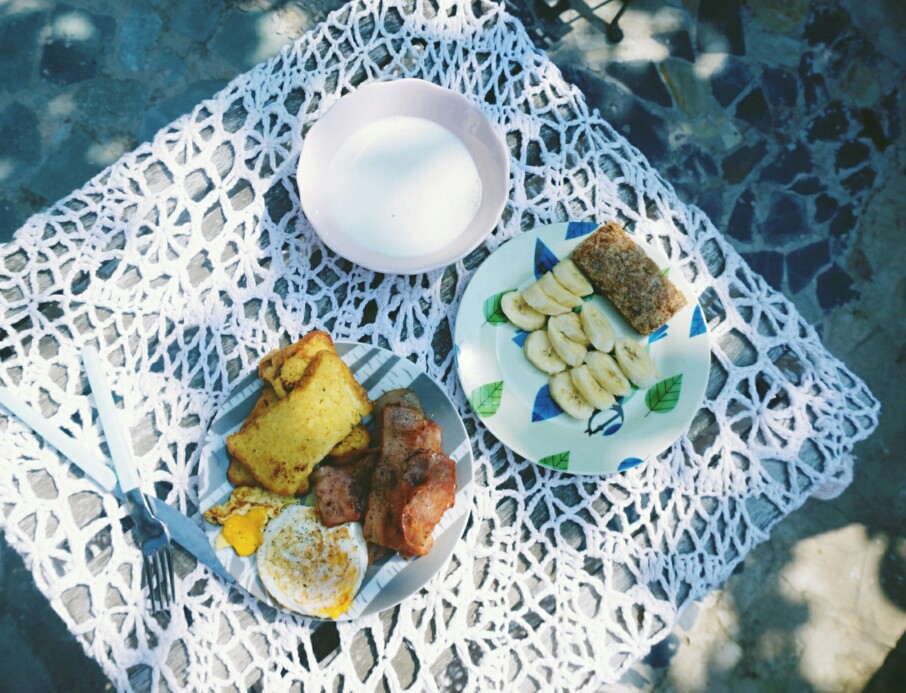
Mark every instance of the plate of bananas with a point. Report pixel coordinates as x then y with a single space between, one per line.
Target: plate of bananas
582 348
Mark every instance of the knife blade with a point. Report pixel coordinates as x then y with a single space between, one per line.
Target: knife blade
183 529
189 536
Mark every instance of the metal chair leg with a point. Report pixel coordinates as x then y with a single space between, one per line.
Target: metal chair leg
614 32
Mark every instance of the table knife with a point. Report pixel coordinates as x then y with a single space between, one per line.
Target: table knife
183 530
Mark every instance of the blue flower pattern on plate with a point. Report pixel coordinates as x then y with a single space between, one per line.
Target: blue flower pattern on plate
659 333
545 407
698 325
577 229
544 259
520 337
629 463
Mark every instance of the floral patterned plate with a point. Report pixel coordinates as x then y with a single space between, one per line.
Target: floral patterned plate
512 398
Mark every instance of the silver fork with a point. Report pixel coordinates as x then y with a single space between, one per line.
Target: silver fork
149 532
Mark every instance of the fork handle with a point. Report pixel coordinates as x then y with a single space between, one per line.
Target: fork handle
120 448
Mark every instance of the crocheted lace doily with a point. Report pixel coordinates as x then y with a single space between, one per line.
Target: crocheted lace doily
188 259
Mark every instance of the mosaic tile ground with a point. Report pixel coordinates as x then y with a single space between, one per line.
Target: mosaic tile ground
782 119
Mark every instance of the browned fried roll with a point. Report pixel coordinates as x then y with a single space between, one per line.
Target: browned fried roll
621 271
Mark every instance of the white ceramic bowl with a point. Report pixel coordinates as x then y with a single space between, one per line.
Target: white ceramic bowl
385 100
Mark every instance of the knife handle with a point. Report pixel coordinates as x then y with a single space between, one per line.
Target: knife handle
91 465
182 529
120 448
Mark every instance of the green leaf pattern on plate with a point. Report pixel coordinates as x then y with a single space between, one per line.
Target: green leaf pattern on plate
485 400
663 396
559 461
493 313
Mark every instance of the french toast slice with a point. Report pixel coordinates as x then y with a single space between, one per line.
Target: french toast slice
283 368
291 367
281 447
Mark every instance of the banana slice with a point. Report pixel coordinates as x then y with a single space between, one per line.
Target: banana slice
557 291
568 350
568 274
596 325
535 296
520 313
590 388
565 394
541 354
608 374
635 362
570 325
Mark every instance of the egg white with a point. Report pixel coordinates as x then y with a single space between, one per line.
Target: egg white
310 568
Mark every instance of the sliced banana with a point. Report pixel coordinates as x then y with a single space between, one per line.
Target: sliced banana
541 354
568 274
570 325
590 388
568 350
557 291
535 296
598 328
568 398
635 362
520 313
608 374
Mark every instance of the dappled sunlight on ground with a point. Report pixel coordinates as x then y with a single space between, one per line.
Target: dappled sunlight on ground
814 620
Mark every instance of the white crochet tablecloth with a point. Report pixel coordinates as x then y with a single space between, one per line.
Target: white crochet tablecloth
188 259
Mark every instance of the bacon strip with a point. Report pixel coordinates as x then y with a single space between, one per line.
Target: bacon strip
342 487
412 485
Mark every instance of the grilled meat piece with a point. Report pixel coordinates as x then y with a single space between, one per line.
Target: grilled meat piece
342 486
402 397
412 485
404 431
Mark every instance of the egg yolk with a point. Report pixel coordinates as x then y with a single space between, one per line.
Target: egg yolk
243 532
341 608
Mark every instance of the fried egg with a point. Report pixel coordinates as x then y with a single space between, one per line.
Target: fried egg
310 568
244 517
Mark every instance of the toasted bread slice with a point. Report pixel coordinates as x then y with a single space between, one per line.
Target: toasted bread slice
285 368
266 367
239 475
309 345
281 447
267 398
358 439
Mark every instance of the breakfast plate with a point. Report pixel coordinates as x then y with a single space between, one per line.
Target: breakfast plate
513 398
390 580
403 176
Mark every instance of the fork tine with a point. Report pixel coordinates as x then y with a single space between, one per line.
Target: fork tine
161 594
164 576
152 559
149 579
169 555
161 579
155 571
161 587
